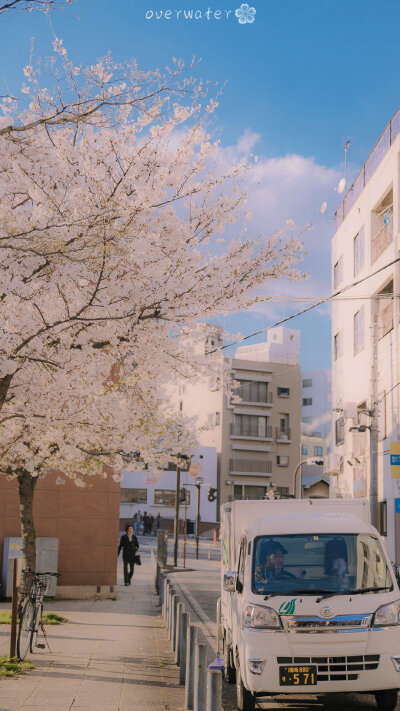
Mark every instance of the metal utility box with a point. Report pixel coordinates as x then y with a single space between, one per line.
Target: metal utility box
46 561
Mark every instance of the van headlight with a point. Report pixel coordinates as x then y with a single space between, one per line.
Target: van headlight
387 615
261 617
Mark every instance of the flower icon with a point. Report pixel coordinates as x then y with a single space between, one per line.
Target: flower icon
245 13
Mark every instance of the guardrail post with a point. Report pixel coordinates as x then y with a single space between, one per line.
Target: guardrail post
214 690
191 642
164 598
179 611
166 605
185 622
200 677
171 595
175 601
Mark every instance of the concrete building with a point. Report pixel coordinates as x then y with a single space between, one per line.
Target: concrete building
365 335
257 437
154 493
316 419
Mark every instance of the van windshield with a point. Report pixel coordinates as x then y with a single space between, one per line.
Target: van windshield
321 562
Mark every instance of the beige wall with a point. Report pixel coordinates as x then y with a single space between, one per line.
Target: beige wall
86 522
258 448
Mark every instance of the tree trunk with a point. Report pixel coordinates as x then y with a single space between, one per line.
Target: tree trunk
4 386
27 484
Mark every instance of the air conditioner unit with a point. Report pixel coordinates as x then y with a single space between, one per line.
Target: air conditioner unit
350 410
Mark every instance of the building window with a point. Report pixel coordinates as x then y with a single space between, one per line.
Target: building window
166 497
251 426
283 392
306 383
282 460
304 450
382 226
217 418
337 345
359 331
317 451
306 401
338 273
307 420
282 491
253 391
339 430
358 251
248 492
385 310
133 496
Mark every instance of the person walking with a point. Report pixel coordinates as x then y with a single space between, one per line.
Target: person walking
129 545
137 518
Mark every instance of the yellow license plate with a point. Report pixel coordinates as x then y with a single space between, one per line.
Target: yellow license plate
298 676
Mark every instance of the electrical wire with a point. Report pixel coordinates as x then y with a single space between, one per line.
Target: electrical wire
304 311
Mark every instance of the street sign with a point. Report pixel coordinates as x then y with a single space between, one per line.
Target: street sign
194 469
15 549
395 460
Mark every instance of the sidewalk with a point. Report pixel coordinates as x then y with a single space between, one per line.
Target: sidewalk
110 656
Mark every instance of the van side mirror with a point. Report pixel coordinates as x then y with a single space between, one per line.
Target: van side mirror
230 578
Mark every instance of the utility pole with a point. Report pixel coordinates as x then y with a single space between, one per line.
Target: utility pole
176 524
373 440
199 482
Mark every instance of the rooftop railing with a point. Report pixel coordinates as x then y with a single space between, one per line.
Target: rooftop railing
380 149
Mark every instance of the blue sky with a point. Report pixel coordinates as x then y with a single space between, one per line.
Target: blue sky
301 79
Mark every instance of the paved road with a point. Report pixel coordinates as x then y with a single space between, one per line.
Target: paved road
202 588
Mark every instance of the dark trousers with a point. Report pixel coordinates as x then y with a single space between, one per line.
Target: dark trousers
128 574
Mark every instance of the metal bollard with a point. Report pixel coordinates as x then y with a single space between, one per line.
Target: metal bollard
175 601
164 601
200 678
185 622
214 690
209 552
167 602
171 595
191 642
179 611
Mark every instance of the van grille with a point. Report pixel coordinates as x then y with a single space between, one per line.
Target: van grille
296 624
336 668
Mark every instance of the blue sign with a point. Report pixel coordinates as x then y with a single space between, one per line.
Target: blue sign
397 505
395 460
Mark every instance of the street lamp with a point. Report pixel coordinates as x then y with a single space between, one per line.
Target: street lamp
309 460
179 459
198 482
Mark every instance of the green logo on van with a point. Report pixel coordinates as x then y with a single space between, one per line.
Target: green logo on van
287 608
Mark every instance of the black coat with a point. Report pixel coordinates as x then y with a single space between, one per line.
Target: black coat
129 548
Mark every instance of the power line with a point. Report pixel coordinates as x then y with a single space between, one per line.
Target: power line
304 311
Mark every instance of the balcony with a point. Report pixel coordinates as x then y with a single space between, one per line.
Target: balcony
283 435
250 430
381 240
248 466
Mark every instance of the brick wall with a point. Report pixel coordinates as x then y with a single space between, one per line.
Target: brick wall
86 522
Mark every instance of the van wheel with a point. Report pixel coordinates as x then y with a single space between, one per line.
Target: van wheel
386 700
229 670
245 700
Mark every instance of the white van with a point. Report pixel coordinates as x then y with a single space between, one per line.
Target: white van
309 602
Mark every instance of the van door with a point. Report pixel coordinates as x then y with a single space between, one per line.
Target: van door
239 594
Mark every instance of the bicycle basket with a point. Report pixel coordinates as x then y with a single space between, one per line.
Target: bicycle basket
43 583
26 581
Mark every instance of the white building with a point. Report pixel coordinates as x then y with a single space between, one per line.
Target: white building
316 403
365 335
154 492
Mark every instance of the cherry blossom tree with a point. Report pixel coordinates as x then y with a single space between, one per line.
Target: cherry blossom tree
30 5
114 203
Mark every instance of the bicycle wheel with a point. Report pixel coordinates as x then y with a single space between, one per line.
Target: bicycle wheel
25 628
35 627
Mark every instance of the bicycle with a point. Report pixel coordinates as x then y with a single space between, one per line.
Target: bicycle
32 590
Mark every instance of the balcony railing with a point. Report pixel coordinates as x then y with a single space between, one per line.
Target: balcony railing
385 320
378 152
249 397
248 466
283 435
381 240
250 431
